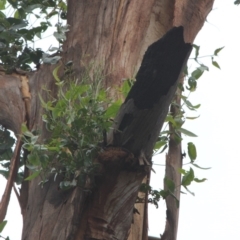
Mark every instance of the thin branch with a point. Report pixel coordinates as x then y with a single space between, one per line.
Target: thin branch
17 194
12 174
202 57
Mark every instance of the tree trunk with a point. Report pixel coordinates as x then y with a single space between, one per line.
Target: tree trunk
115 34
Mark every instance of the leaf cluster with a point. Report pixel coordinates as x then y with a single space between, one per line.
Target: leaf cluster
17 31
77 121
7 143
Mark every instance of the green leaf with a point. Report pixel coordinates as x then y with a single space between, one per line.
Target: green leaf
177 136
113 109
2 16
24 128
192 84
46 105
6 154
196 74
6 143
2 225
28 146
169 118
25 131
20 14
33 159
164 132
169 184
197 48
164 193
34 139
16 23
145 188
204 68
62 5
31 7
197 166
2 4
199 180
182 171
215 64
165 146
159 144
189 191
16 15
102 96
60 36
127 85
188 178
186 132
189 104
55 73
4 173
192 152
34 175
218 50
192 118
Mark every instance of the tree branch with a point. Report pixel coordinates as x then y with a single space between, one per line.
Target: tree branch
12 174
143 113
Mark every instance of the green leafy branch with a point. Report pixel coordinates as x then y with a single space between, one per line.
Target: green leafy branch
17 33
77 121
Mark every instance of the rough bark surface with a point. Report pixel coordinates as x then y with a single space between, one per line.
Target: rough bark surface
115 34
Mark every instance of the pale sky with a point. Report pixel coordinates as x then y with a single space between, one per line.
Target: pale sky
214 212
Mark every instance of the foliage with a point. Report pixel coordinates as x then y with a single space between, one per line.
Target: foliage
77 121
7 143
154 196
17 31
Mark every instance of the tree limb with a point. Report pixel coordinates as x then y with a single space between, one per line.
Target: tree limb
12 174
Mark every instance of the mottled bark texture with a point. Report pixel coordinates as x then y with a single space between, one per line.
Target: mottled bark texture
115 34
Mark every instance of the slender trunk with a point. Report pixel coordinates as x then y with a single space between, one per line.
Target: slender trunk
173 164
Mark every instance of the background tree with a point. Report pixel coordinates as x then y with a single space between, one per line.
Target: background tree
116 34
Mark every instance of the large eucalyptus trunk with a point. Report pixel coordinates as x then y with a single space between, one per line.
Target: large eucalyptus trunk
115 34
